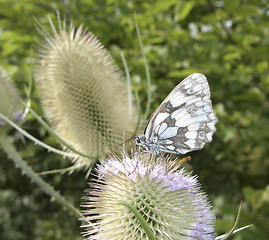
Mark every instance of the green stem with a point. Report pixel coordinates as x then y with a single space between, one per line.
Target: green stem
16 158
233 230
128 78
146 69
129 93
144 224
57 136
24 133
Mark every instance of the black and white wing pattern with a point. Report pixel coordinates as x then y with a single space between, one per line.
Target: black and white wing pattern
184 121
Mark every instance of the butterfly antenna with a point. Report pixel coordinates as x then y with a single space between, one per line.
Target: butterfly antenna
124 141
122 131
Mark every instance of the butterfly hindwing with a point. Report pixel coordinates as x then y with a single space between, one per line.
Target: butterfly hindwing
185 120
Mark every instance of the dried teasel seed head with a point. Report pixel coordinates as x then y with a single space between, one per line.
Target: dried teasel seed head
10 100
83 92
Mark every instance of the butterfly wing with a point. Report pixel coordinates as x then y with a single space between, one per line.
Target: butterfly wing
185 120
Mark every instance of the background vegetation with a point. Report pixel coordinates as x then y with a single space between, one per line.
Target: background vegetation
227 40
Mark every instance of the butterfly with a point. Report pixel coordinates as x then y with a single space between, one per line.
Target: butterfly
184 121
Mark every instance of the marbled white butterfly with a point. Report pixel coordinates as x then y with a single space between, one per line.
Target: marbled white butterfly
184 121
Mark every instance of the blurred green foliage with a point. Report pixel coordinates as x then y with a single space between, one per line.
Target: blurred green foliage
227 40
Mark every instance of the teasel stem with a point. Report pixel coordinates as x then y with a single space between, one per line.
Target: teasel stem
26 169
148 78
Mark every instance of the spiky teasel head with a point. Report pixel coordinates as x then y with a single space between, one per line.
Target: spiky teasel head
83 92
10 100
168 198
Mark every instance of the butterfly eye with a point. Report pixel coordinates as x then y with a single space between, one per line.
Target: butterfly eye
201 134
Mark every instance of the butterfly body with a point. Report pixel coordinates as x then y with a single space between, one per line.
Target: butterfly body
184 121
149 145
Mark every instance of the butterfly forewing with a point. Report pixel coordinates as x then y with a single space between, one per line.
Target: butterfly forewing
185 120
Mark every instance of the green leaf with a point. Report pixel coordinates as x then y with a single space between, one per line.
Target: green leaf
182 73
256 197
161 5
185 9
231 5
248 10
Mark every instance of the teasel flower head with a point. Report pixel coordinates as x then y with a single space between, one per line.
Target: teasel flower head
10 100
168 198
83 92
